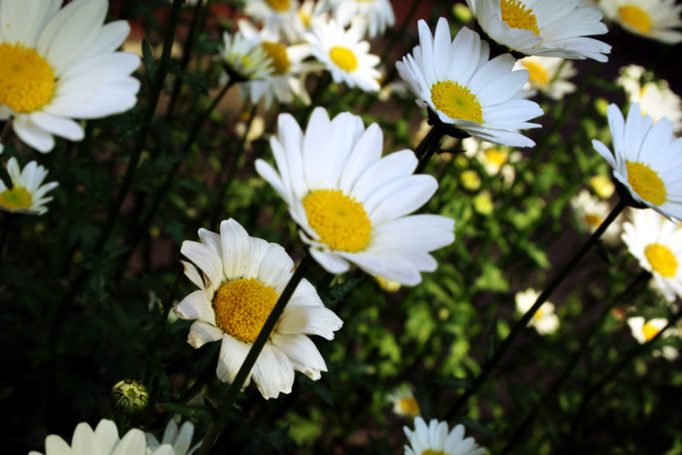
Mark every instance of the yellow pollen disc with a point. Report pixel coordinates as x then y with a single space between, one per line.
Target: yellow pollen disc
518 15
305 18
537 73
646 183
496 156
279 5
538 314
26 79
344 58
242 306
278 54
662 260
635 17
649 331
433 452
339 220
409 406
16 198
456 101
592 219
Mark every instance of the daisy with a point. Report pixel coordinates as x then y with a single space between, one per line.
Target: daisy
179 438
309 14
647 161
494 159
591 213
404 402
544 321
27 194
240 279
458 82
57 65
644 331
371 17
345 55
276 15
245 57
103 440
547 75
352 205
654 19
543 27
656 243
435 439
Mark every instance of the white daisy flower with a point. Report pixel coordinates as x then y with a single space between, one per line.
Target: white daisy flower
435 439
179 438
240 279
543 27
591 213
404 402
345 55
547 75
277 15
246 57
103 440
352 205
27 194
371 17
310 13
544 321
644 331
495 160
647 161
57 65
656 243
654 19
458 82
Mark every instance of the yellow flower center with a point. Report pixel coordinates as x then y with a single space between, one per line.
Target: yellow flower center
649 331
603 186
409 406
16 198
305 18
433 452
537 73
278 54
456 101
241 307
662 260
339 220
344 58
279 5
646 183
538 314
496 157
518 15
593 220
635 17
26 79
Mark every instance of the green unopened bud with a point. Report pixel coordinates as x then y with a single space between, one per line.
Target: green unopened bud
462 13
483 203
470 180
602 106
130 396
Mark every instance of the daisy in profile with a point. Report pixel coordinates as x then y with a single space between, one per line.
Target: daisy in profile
465 89
547 75
544 321
276 15
27 194
345 55
591 213
104 440
437 439
543 27
245 57
645 330
653 19
352 205
371 17
180 438
495 160
656 243
647 159
404 402
240 279
57 65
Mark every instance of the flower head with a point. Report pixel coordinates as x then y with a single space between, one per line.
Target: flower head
653 19
496 160
591 213
27 193
180 438
547 75
644 330
276 15
371 17
436 439
544 321
404 402
246 57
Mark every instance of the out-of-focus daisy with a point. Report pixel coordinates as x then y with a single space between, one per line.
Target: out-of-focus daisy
591 213
543 27
179 438
352 205
310 13
276 15
544 321
240 279
494 158
654 19
371 17
27 193
657 244
57 65
654 97
404 402
547 75
647 159
345 55
644 331
456 80
103 440
437 439
246 57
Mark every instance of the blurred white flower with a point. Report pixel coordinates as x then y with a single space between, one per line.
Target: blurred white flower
495 159
27 193
645 330
404 402
371 17
654 19
547 75
436 439
591 212
544 321
179 438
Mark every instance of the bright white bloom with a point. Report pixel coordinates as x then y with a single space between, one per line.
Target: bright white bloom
103 440
277 15
27 194
458 82
371 17
179 438
404 402
647 159
543 27
310 14
591 213
435 439
57 65
240 279
656 242
345 55
654 19
246 56
644 331
544 321
547 75
352 205
654 97
495 160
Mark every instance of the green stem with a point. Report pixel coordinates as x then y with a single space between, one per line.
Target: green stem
521 324
6 129
428 146
216 428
